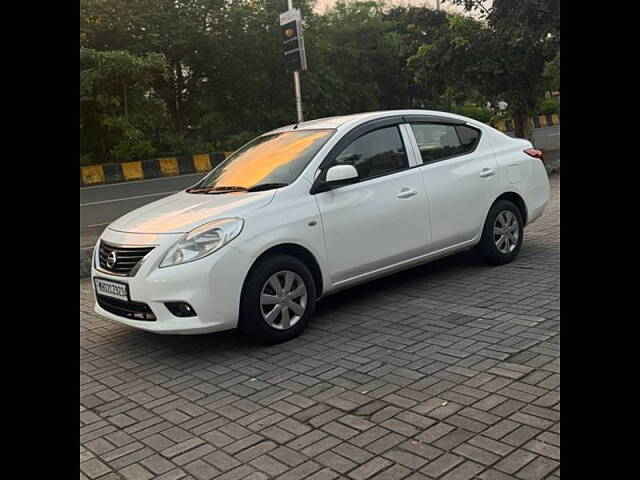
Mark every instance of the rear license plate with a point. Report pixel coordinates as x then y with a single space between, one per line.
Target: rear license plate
112 289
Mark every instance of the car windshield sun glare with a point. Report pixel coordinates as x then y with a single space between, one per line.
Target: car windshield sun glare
267 162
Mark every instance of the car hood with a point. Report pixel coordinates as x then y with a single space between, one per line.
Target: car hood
182 212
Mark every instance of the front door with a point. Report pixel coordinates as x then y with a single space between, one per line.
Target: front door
381 219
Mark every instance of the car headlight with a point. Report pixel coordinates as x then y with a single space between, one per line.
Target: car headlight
203 241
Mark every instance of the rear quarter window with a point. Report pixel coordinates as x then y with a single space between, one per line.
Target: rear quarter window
469 137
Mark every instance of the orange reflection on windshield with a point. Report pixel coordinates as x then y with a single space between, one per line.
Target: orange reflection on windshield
252 166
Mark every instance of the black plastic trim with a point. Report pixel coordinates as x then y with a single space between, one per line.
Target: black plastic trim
174 308
125 309
352 135
432 119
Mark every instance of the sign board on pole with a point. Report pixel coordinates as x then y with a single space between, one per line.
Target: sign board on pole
292 40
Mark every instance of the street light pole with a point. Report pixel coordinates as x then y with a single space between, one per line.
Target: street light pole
296 81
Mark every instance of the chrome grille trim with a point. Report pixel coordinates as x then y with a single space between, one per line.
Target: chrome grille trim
127 257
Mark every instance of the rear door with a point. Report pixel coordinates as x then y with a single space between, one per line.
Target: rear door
460 174
381 219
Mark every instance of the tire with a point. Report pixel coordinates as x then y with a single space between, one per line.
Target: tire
278 269
492 248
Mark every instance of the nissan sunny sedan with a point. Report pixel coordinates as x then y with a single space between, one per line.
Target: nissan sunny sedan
308 209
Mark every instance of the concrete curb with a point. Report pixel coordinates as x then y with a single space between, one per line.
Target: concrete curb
552 164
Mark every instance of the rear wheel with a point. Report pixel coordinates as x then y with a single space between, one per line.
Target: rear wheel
502 233
278 299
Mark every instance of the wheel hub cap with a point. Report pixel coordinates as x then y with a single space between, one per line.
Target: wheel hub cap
283 300
506 232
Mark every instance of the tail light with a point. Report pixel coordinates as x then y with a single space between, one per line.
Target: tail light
535 153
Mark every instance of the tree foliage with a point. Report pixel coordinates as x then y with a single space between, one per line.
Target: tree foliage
525 35
162 77
117 104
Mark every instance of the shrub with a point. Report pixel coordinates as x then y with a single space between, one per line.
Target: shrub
176 145
87 159
475 112
495 118
132 148
549 106
233 142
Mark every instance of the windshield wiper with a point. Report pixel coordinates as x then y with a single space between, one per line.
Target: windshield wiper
229 189
266 186
197 190
217 190
226 189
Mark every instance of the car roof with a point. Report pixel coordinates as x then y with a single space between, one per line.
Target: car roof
357 118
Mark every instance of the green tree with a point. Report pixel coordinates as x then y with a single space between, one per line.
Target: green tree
552 73
114 85
526 34
416 26
214 71
456 63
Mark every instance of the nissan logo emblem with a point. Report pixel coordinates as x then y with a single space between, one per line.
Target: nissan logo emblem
112 259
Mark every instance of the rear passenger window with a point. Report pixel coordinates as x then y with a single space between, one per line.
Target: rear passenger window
437 141
468 137
376 153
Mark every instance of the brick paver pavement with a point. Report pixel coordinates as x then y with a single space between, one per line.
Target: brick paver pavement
447 371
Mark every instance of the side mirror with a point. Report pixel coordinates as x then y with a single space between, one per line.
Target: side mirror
335 176
341 174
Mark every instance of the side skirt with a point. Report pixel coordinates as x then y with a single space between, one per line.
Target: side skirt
400 266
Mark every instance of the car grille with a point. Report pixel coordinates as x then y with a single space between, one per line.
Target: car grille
126 257
132 310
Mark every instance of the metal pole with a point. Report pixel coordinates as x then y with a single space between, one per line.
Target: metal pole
437 4
296 81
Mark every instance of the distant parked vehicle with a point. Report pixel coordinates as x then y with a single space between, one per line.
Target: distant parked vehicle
308 209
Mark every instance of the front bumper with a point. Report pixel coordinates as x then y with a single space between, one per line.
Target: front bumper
211 285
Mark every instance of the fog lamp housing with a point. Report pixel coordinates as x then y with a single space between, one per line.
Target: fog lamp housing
180 309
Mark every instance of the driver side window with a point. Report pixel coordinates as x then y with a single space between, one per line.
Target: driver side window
376 153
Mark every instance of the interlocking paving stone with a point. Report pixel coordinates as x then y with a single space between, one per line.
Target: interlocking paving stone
448 371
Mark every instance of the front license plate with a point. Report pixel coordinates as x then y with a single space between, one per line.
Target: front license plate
112 289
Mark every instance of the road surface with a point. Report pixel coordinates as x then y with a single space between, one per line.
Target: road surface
449 370
102 204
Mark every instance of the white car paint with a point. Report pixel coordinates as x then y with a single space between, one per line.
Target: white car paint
354 233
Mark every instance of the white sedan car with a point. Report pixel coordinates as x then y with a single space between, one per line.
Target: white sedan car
308 209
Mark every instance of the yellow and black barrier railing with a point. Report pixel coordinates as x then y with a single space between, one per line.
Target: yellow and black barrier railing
153 168
537 122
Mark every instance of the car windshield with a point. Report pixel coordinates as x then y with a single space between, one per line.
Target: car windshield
269 161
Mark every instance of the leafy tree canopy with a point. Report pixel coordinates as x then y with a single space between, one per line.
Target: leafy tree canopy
168 77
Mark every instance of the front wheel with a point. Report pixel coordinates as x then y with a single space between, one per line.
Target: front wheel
278 299
502 233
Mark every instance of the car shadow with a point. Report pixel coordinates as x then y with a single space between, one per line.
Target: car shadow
207 346
234 340
397 281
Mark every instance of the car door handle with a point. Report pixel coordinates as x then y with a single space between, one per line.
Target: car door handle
407 192
487 172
